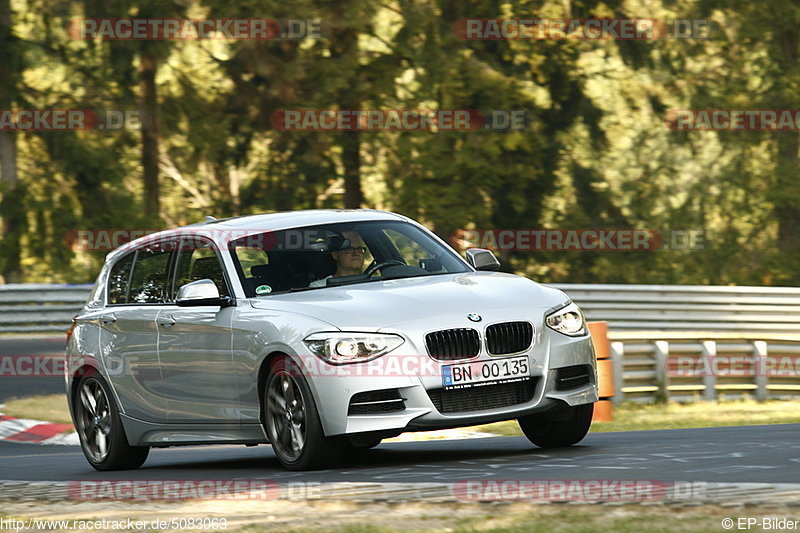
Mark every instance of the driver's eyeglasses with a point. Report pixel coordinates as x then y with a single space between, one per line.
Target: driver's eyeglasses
356 250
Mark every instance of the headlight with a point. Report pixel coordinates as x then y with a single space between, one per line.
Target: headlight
342 347
567 320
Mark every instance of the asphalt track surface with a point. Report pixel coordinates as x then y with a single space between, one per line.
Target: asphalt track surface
762 454
19 386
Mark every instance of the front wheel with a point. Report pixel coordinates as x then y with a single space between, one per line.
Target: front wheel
566 430
100 430
292 421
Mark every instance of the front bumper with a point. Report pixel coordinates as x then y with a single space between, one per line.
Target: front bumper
417 378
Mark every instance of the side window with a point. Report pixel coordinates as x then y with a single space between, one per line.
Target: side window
118 280
409 249
149 279
250 257
196 261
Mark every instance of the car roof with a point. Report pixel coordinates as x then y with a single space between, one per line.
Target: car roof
266 222
309 217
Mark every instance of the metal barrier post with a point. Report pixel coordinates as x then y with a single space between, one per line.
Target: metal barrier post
709 379
662 375
759 355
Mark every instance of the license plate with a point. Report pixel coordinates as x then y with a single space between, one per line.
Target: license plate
468 374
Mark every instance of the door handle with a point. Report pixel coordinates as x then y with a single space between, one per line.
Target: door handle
108 319
165 321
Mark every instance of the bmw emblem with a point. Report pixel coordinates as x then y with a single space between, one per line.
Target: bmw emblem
475 317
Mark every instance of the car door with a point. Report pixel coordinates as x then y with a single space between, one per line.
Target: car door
195 343
135 293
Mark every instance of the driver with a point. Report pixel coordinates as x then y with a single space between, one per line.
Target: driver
349 261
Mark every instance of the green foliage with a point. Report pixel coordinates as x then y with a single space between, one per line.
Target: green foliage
595 152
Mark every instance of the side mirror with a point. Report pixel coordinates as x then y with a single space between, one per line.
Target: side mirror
200 292
482 259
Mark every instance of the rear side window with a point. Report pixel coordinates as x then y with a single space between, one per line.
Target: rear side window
149 279
197 260
118 280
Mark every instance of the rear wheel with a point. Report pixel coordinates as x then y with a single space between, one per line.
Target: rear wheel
292 421
100 430
566 429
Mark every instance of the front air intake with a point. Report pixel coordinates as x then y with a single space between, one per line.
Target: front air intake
572 377
376 402
479 398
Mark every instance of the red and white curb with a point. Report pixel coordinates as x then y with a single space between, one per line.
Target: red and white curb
36 432
39 432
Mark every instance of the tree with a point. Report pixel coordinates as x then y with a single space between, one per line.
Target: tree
11 212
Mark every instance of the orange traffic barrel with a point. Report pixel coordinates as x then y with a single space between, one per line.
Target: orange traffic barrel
603 410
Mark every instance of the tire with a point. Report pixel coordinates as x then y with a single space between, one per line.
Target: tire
558 432
292 422
100 430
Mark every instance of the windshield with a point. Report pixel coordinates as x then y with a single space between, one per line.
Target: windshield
317 257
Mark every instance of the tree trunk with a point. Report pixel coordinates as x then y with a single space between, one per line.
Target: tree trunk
787 204
787 183
11 214
351 160
345 49
8 159
148 66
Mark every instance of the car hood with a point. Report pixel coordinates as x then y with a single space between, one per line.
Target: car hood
442 300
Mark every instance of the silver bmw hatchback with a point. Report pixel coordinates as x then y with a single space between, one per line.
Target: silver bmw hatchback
319 332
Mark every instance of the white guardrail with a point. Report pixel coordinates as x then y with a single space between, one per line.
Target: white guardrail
688 342
38 308
680 342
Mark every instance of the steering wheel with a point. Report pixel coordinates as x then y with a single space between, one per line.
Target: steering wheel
374 268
